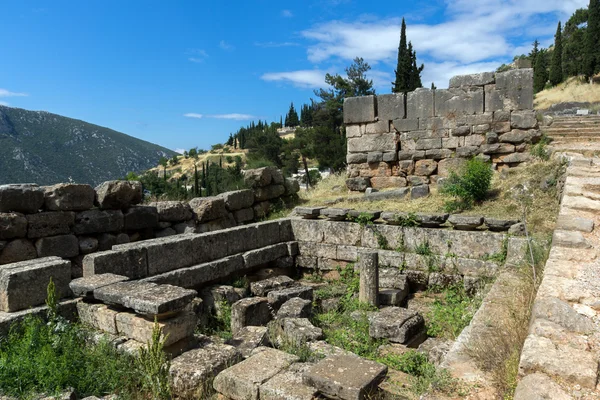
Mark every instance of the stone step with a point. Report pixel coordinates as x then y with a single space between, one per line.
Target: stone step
23 285
146 298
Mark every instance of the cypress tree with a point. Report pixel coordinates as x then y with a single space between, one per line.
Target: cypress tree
592 40
400 85
534 52
292 119
415 72
196 181
556 70
540 72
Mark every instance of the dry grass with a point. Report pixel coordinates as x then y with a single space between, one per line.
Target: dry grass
573 90
542 213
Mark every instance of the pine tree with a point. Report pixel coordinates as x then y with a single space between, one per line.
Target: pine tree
534 52
400 85
540 72
556 70
292 119
592 40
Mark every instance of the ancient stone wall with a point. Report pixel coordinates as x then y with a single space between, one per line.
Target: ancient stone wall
72 220
398 140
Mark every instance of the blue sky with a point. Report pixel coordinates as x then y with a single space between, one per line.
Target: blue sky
187 73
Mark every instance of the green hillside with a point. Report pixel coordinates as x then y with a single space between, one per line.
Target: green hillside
44 148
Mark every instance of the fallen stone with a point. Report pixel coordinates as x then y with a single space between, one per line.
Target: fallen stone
572 223
277 298
49 223
140 217
25 198
539 386
435 349
335 214
173 329
431 220
288 385
570 239
98 221
517 229
297 330
391 297
84 287
65 246
118 195
263 287
308 212
69 197
397 324
249 338
252 311
259 177
12 225
346 377
358 184
242 381
499 225
418 192
192 372
214 297
295 308
23 284
465 223
172 211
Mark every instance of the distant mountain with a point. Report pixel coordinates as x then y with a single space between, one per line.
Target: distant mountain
44 148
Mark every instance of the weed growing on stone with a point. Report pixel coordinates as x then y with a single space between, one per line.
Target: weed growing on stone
451 313
241 282
154 366
410 220
499 257
423 249
363 219
218 323
540 150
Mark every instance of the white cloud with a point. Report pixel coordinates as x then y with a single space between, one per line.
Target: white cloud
197 56
193 115
312 78
234 116
8 93
287 14
226 46
276 44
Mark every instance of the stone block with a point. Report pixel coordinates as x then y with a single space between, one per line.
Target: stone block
65 246
288 384
292 186
277 298
251 311
209 246
87 245
523 120
295 308
481 129
449 165
391 297
398 325
419 104
208 208
244 215
456 101
425 167
373 143
84 287
539 386
561 313
173 329
258 177
131 263
392 278
570 239
467 152
191 371
172 211
389 157
164 254
374 157
572 223
354 131
268 192
406 125
25 198
481 79
418 192
49 223
265 255
140 217
515 88
356 158
450 143
69 197
390 106
242 381
347 377
360 109
263 287
23 284
377 127
499 225
249 338
17 250
465 222
427 144
335 214
238 199
297 330
98 221
384 182
117 195
513 158
12 225
461 131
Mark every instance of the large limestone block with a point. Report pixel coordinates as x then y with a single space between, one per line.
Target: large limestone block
191 371
360 109
49 223
131 263
295 330
481 79
292 186
570 239
249 338
69 197
561 313
118 195
390 106
268 192
251 311
517 136
98 316
399 325
238 199
164 254
288 385
539 386
265 255
513 91
295 308
23 285
386 182
346 377
84 287
575 366
263 287
419 104
277 298
16 250
25 198
12 225
242 381
382 142
457 101
172 211
173 329
259 177
65 246
98 221
208 208
523 120
140 217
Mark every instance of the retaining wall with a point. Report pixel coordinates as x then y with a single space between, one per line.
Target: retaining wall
398 140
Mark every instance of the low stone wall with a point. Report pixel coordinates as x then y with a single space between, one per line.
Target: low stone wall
398 140
72 220
561 354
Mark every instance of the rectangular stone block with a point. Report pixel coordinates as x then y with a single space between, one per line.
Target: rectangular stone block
209 246
341 232
265 255
353 131
513 91
376 142
49 223
306 230
98 316
23 284
481 79
390 106
356 158
377 127
426 144
164 254
84 287
140 329
419 104
317 249
65 246
406 125
250 311
452 102
131 263
360 109
98 221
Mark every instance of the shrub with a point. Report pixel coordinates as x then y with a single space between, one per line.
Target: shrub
452 313
540 150
154 366
471 185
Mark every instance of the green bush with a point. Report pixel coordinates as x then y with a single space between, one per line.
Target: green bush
540 150
471 185
451 313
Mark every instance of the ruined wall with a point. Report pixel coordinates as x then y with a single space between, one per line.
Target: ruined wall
398 140
72 220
